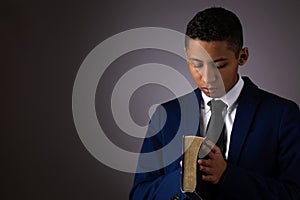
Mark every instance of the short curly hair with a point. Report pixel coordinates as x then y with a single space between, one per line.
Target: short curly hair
216 24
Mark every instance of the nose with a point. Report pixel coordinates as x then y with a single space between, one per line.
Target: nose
209 74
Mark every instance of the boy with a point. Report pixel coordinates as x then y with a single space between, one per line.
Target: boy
260 153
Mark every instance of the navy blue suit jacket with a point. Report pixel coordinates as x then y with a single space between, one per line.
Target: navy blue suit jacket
264 153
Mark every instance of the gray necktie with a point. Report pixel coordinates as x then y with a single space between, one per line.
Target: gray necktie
217 134
216 131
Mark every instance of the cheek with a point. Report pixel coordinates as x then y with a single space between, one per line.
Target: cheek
223 76
195 74
228 76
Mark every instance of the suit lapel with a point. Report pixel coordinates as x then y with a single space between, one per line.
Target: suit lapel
247 105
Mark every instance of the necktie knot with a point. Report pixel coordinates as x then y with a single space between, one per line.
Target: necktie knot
217 106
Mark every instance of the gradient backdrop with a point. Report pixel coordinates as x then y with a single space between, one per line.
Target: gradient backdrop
43 44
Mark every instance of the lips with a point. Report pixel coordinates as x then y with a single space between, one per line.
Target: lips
209 90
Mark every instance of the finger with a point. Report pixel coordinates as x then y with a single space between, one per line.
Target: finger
214 148
204 150
209 178
180 163
208 151
209 143
205 147
204 162
204 169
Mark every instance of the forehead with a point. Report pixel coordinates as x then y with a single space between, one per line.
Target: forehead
208 50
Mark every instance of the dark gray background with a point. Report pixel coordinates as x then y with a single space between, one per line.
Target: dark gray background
43 44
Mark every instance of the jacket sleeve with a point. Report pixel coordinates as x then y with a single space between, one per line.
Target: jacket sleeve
164 182
240 183
161 186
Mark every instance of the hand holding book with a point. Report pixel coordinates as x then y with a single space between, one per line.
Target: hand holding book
213 165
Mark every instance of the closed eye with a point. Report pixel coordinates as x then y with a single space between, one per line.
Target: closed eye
197 64
220 67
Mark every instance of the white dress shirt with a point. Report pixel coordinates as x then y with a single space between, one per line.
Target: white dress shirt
230 98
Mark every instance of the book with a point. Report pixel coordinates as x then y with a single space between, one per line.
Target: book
191 147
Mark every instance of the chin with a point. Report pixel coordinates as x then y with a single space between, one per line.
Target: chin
216 94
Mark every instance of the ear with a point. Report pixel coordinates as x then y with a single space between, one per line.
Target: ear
186 54
185 51
243 57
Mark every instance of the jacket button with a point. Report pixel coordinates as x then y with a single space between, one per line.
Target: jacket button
176 197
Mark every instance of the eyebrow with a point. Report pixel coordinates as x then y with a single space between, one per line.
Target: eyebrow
216 60
220 59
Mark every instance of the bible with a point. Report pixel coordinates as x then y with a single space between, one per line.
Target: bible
191 147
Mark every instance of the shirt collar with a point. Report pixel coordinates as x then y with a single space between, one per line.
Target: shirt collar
229 98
